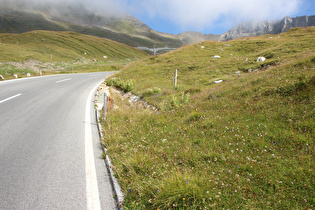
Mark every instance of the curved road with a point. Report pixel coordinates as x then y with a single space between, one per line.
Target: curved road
50 155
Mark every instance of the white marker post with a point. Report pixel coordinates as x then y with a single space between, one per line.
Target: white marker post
105 107
175 79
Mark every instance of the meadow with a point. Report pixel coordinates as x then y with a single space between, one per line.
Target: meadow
247 142
51 52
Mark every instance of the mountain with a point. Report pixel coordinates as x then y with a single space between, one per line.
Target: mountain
123 28
255 28
191 37
19 17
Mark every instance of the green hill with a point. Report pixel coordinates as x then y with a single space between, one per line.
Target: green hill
247 142
62 46
58 52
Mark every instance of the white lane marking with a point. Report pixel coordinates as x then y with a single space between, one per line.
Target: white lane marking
64 80
12 97
92 194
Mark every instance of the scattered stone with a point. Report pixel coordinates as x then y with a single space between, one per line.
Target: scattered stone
104 56
202 47
238 72
261 59
43 40
217 56
218 81
28 74
15 76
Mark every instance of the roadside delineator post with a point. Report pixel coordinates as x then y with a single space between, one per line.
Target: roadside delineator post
105 106
175 79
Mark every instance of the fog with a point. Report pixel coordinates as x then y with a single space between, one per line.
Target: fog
187 14
105 7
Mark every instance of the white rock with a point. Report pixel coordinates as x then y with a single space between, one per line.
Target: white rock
218 81
28 74
261 59
15 76
217 56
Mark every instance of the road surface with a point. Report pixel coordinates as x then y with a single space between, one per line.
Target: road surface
50 155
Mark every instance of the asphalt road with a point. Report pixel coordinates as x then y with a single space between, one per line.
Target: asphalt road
50 155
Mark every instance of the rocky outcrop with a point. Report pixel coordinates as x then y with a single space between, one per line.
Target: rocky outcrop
267 27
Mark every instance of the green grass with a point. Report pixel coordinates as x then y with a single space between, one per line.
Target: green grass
247 142
64 52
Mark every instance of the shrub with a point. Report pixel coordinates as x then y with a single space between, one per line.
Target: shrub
122 85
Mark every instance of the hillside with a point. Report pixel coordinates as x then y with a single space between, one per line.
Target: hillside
61 52
20 17
257 28
124 28
247 142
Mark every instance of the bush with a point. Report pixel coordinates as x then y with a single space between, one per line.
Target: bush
125 86
150 92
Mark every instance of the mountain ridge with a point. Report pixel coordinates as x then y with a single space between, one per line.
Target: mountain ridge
125 28
257 28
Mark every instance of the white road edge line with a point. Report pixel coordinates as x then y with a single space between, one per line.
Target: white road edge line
12 97
92 193
64 80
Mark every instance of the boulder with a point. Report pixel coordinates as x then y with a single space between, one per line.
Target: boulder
261 59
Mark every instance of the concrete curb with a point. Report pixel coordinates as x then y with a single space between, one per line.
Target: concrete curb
116 187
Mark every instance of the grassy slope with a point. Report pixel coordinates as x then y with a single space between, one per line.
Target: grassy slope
247 142
126 31
70 51
63 46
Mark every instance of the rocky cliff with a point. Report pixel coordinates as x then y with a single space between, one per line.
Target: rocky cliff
267 27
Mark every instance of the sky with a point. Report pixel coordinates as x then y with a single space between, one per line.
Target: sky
212 16
206 16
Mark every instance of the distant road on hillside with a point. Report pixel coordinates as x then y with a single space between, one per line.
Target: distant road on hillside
47 138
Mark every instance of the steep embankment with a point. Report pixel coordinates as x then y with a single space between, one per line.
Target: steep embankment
246 142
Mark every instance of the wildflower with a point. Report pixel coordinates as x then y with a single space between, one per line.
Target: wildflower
184 199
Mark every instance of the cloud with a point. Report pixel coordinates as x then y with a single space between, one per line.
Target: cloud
200 14
109 7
